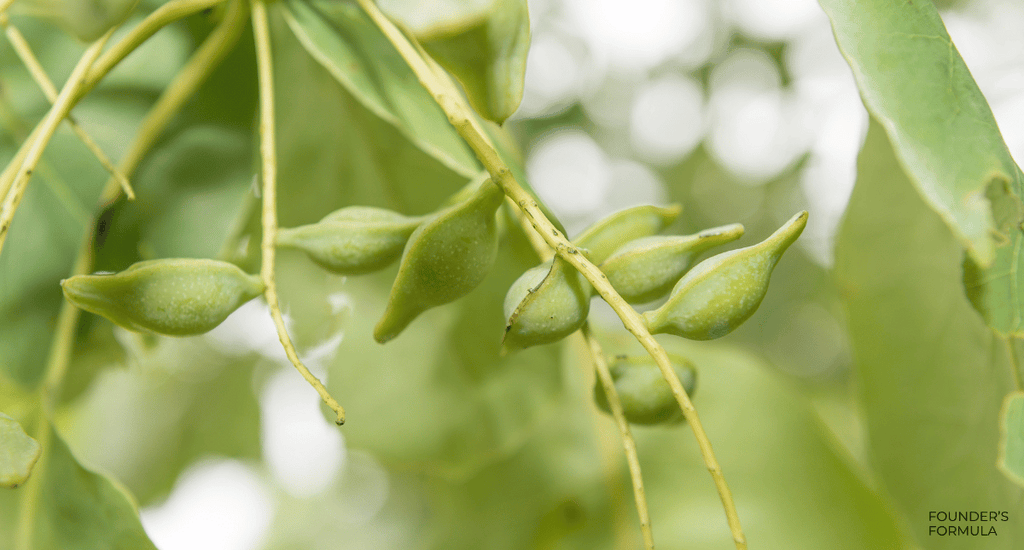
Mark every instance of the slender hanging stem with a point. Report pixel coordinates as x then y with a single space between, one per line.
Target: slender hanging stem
465 123
628 443
269 155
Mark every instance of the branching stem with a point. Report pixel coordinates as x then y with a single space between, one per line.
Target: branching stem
40 137
268 154
462 118
28 58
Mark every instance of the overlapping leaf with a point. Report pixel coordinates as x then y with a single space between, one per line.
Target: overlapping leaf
487 53
917 86
18 453
932 376
346 42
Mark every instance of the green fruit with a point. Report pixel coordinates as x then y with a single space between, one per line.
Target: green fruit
176 297
445 258
546 304
646 269
645 395
353 240
605 236
723 291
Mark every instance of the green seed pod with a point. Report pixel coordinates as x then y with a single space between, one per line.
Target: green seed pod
645 395
722 292
644 270
605 236
544 305
176 297
445 258
354 240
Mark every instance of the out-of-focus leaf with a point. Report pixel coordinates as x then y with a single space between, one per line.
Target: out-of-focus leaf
1011 446
182 400
487 53
931 374
18 453
917 86
76 509
439 398
346 42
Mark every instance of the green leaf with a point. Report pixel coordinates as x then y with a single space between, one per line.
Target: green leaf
18 453
1011 447
487 53
75 509
931 375
914 82
346 42
996 291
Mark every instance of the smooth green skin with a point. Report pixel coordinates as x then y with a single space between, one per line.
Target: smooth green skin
487 53
544 305
645 395
354 240
646 269
608 234
445 259
722 292
174 297
18 453
914 82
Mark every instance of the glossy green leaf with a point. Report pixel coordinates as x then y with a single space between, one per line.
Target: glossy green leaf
346 42
914 82
1011 446
487 53
76 509
931 375
18 453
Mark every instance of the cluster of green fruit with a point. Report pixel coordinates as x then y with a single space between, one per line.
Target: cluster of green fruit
446 254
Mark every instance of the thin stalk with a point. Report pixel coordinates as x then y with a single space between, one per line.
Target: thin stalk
24 52
44 131
593 348
628 443
198 68
462 119
160 18
261 30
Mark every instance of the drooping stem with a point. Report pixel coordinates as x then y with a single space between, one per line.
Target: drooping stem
628 443
465 123
28 58
261 29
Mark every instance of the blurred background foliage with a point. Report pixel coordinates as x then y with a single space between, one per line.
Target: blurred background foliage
864 393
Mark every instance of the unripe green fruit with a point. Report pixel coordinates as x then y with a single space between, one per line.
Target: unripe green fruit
353 240
646 269
608 234
723 291
544 305
175 297
645 395
445 258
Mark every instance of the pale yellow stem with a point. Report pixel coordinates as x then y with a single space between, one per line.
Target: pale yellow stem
268 153
35 69
44 131
460 116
